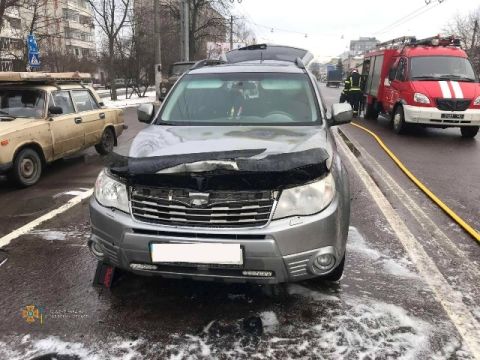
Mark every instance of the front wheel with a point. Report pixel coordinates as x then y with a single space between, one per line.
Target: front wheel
107 142
372 112
399 125
469 132
27 168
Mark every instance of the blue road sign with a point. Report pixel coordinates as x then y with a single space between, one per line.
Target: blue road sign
34 60
32 44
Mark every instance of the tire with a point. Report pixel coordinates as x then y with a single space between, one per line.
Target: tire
469 132
372 112
107 142
27 168
398 121
337 273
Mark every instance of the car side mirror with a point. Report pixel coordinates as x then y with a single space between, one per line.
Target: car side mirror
55 110
145 113
101 103
341 114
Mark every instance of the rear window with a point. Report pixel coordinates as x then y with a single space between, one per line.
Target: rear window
242 98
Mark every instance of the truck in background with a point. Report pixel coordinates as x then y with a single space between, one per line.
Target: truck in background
429 82
334 77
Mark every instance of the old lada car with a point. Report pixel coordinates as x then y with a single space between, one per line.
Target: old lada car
47 116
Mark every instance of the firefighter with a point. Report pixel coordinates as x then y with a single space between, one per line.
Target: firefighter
354 91
344 96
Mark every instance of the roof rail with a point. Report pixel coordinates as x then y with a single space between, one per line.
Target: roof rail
207 62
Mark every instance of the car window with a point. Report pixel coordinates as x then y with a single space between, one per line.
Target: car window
243 98
401 72
22 103
84 100
63 100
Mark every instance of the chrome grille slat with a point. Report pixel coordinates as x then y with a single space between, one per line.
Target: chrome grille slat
225 209
215 215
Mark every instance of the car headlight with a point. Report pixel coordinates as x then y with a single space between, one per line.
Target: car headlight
306 199
111 193
477 101
421 98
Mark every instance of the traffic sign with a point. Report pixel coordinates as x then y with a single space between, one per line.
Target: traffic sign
34 60
32 44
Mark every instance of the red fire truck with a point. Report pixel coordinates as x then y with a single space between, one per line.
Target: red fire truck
429 82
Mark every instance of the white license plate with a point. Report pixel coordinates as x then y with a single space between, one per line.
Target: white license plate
223 254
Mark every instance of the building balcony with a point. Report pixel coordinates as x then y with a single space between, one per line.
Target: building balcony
80 44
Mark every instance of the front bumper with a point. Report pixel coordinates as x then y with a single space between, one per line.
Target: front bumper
284 247
433 116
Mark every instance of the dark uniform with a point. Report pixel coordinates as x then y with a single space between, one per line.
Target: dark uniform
354 91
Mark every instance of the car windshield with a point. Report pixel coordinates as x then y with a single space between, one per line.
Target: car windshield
448 67
179 69
242 98
22 103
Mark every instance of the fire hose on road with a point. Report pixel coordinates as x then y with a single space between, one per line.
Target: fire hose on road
462 223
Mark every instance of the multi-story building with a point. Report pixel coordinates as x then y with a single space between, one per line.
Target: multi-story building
362 45
62 28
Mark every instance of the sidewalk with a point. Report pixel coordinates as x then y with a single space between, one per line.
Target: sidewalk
135 100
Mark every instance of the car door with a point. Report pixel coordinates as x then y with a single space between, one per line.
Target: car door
66 128
92 116
398 84
389 90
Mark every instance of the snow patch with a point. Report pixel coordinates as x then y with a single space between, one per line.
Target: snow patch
296 289
56 235
117 349
133 101
397 267
270 321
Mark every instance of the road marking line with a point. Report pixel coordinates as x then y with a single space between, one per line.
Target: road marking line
450 299
448 247
469 229
5 240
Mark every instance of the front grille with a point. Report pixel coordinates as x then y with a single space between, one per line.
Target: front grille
221 209
453 104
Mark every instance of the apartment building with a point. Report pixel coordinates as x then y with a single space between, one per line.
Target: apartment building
62 28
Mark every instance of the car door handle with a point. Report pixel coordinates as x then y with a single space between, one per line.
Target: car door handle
102 116
78 120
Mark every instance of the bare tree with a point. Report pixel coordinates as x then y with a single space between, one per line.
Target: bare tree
207 21
111 16
464 28
5 5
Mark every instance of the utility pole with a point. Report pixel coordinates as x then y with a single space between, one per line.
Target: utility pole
185 16
231 32
158 46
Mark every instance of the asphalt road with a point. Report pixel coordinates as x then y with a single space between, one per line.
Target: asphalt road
386 306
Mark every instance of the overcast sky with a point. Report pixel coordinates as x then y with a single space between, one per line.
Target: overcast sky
330 25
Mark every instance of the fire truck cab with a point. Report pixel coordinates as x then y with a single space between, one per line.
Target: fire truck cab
428 82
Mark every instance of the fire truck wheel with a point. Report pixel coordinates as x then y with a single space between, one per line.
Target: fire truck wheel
399 125
371 113
469 132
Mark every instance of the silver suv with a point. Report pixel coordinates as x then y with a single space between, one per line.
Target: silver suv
237 178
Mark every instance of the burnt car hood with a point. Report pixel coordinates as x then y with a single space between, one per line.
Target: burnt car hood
245 154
